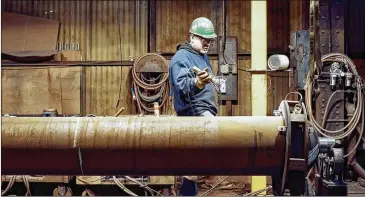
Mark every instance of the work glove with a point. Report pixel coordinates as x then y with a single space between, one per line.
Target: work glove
202 78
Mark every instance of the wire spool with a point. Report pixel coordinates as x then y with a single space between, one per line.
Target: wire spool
278 62
159 87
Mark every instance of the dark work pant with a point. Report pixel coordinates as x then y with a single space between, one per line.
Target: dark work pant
188 188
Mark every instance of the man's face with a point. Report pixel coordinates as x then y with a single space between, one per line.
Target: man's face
201 44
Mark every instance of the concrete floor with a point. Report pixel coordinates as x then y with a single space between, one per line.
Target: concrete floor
354 189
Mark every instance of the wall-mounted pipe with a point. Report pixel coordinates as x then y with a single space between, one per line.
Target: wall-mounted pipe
142 145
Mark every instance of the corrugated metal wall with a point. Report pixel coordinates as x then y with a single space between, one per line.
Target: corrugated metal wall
95 25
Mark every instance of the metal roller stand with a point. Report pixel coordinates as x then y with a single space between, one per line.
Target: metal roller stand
295 160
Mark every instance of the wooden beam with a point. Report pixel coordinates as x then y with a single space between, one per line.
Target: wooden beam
9 64
259 62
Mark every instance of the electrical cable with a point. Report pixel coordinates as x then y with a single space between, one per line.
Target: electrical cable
259 191
351 125
361 134
145 186
9 186
11 183
301 96
216 185
27 186
124 188
191 105
360 106
219 73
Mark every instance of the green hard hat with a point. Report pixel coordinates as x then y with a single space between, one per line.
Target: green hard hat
203 27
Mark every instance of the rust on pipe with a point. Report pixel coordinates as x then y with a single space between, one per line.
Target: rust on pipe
131 145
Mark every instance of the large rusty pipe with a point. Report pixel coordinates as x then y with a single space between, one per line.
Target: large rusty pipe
131 145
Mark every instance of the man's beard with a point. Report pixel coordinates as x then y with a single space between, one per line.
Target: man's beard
198 45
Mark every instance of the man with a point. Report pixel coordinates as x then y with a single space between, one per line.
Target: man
193 94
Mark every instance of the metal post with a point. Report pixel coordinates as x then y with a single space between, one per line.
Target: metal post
259 62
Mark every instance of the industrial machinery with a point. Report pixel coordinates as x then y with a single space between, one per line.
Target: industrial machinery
290 145
279 146
304 140
305 146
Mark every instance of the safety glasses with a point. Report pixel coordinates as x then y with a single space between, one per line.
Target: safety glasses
205 40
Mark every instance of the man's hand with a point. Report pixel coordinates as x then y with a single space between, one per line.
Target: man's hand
202 78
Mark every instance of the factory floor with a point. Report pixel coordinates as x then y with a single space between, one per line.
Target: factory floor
356 188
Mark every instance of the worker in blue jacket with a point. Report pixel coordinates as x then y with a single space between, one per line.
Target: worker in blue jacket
194 95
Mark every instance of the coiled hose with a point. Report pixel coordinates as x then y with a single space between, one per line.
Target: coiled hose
354 121
162 87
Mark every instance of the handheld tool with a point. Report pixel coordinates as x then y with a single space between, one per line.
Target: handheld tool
216 86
